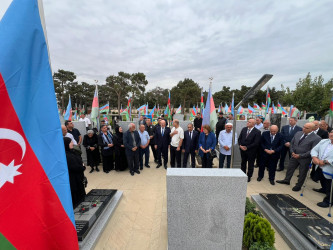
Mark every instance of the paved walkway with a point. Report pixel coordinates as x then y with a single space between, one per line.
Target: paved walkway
140 220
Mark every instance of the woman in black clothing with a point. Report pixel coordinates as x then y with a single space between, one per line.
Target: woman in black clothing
75 171
105 141
90 142
121 160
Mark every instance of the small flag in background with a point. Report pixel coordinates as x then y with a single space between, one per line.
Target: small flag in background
179 110
283 111
240 110
250 109
226 108
256 106
104 109
68 114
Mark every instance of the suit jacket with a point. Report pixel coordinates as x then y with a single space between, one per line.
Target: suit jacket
322 133
220 125
318 151
285 132
164 140
304 148
276 145
128 141
210 143
190 145
151 132
252 141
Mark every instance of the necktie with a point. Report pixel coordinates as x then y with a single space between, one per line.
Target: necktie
248 132
162 131
291 129
191 135
304 136
272 139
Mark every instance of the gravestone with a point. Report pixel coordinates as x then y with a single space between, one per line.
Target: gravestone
240 124
276 120
184 124
284 121
124 125
81 126
179 117
205 208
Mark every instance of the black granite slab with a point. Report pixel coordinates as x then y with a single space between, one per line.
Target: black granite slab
88 211
315 228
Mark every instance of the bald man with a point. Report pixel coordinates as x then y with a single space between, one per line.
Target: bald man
271 146
300 148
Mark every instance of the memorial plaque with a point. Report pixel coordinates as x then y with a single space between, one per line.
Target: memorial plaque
314 227
88 211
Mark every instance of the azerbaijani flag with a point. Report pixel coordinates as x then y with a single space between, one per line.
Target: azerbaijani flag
202 107
256 106
331 107
250 109
95 107
68 114
142 109
294 112
36 209
152 112
193 111
210 117
105 108
284 112
268 99
129 107
273 109
263 106
226 108
233 104
105 118
179 110
240 110
219 109
125 112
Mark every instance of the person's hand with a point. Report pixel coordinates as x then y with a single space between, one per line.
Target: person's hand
266 150
196 151
287 144
110 145
175 132
122 146
151 137
321 163
315 161
92 148
155 146
226 148
134 149
296 156
178 148
183 150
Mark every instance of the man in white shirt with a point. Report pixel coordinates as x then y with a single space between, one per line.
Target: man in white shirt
259 124
177 137
66 134
144 146
225 141
86 120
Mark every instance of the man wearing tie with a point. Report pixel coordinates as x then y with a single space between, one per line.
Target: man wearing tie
162 143
248 141
271 146
190 145
288 132
300 148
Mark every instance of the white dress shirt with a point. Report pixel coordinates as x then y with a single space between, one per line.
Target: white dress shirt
177 137
225 139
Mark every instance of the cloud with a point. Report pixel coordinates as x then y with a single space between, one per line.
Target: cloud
234 42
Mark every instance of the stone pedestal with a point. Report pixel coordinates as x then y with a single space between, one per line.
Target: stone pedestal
81 126
205 208
179 117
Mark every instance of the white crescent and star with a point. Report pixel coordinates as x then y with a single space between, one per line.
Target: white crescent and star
7 173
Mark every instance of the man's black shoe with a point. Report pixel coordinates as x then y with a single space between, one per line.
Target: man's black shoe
165 166
141 168
158 165
248 179
283 182
323 204
97 169
132 173
279 170
137 171
272 182
296 188
319 190
147 166
92 170
259 178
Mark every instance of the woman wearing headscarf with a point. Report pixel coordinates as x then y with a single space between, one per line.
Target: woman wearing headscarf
90 142
75 171
207 143
121 160
105 141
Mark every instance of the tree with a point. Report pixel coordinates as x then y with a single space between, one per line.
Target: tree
186 92
137 83
61 79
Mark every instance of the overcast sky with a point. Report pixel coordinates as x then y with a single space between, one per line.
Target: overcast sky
235 42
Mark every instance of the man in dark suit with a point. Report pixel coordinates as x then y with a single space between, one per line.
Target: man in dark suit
220 125
190 145
288 132
324 126
162 143
271 145
132 142
150 128
320 132
248 141
300 149
197 123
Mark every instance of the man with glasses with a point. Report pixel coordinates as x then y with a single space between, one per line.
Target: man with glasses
190 145
300 149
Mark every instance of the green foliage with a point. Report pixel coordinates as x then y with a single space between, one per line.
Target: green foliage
250 207
261 246
257 229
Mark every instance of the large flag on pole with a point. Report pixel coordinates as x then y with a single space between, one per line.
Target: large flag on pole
210 116
331 107
179 110
268 100
68 114
95 108
283 111
36 209
233 104
202 107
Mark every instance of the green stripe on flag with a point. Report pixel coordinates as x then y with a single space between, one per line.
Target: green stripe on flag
5 244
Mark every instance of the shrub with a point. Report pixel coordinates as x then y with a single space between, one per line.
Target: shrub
257 229
250 207
261 246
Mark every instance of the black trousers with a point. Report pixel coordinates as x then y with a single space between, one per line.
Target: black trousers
186 154
133 160
162 151
284 152
269 161
207 161
154 151
248 159
175 155
328 190
303 165
108 162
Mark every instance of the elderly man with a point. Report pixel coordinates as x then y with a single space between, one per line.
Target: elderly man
190 145
225 141
320 132
162 143
258 124
248 141
300 148
177 137
265 126
322 156
324 126
144 146
132 141
66 134
271 146
288 132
